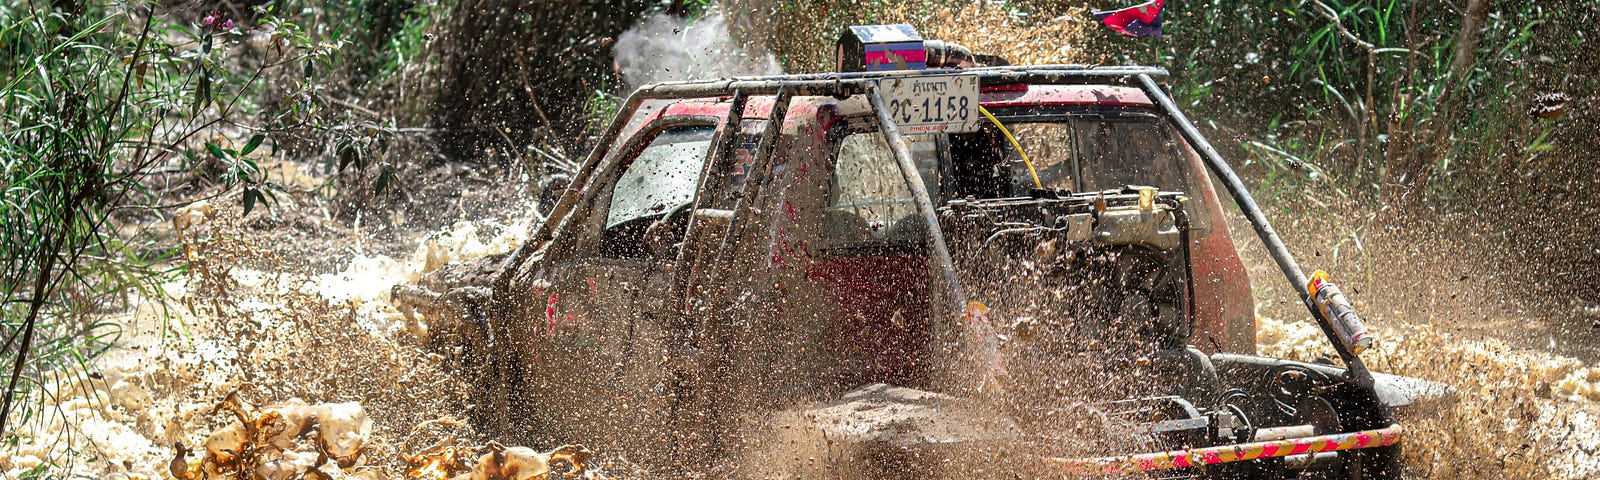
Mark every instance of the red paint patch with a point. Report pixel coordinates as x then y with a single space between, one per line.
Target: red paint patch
1181 461
794 215
1269 450
550 314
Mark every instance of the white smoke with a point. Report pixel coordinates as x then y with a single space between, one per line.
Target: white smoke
666 48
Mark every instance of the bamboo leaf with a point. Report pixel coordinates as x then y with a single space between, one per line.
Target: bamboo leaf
251 145
216 150
348 153
249 199
202 91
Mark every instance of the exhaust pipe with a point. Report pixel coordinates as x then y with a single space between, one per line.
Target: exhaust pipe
942 54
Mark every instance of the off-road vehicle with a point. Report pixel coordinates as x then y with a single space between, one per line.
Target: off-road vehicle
926 263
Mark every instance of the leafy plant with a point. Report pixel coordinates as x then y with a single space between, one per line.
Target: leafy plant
95 105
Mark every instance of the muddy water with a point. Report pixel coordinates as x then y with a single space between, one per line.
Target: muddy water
273 335
1519 414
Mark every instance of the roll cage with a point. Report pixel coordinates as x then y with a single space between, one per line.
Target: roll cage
843 85
782 89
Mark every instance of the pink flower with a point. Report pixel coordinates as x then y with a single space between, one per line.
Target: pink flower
209 20
228 25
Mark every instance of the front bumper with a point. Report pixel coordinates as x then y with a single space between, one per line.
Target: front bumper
1244 452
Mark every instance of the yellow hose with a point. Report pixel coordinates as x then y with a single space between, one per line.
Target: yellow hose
1014 143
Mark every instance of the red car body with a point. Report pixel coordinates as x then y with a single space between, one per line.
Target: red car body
867 287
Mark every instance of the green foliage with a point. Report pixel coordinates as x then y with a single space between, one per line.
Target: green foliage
94 104
518 70
1365 90
1418 111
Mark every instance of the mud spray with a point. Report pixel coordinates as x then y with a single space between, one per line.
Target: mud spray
246 327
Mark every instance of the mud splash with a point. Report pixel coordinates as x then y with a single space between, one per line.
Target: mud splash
276 335
244 321
1520 414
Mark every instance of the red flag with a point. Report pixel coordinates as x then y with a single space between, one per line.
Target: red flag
1140 20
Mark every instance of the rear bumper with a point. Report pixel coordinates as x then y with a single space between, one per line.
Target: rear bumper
1243 452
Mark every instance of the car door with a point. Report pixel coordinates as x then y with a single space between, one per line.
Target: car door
593 363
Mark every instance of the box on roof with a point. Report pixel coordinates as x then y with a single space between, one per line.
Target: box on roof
881 47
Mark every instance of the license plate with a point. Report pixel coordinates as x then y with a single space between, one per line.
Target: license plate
926 104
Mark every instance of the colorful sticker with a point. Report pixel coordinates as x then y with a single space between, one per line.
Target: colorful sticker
1227 454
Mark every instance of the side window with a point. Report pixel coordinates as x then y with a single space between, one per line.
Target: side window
658 185
868 200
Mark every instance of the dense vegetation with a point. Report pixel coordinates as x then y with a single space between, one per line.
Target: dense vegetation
1397 112
114 115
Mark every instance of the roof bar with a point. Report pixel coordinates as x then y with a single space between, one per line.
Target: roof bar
982 333
835 84
759 174
580 183
728 134
985 73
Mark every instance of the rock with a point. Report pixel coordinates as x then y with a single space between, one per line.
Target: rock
879 432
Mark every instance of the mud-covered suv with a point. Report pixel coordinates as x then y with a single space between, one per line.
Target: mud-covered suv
875 274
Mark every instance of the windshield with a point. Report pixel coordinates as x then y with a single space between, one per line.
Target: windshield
663 177
1077 152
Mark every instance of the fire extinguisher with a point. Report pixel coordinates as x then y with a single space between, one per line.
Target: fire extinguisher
1333 305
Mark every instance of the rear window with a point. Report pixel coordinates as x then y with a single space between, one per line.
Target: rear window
1118 153
1072 149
